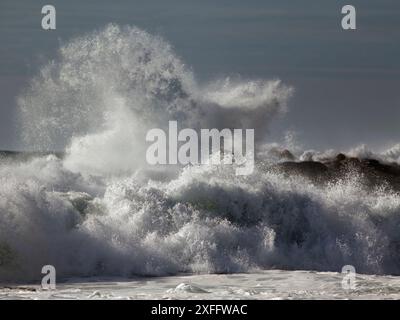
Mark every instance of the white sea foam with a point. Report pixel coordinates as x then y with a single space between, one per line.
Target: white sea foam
102 211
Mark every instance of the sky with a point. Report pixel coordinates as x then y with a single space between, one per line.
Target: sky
347 83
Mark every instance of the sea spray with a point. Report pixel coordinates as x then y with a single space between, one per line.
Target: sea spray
107 89
100 211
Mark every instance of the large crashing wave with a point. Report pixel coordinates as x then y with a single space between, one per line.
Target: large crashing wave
99 211
108 88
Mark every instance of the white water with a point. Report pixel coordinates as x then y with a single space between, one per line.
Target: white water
271 284
101 211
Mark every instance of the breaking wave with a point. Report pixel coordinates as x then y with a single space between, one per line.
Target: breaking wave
99 210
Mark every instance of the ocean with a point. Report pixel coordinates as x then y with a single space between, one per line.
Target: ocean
115 227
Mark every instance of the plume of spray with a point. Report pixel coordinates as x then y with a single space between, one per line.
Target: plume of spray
106 89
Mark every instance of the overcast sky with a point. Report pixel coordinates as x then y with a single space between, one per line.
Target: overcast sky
347 82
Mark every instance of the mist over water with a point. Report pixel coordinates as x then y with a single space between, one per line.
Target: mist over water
100 210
